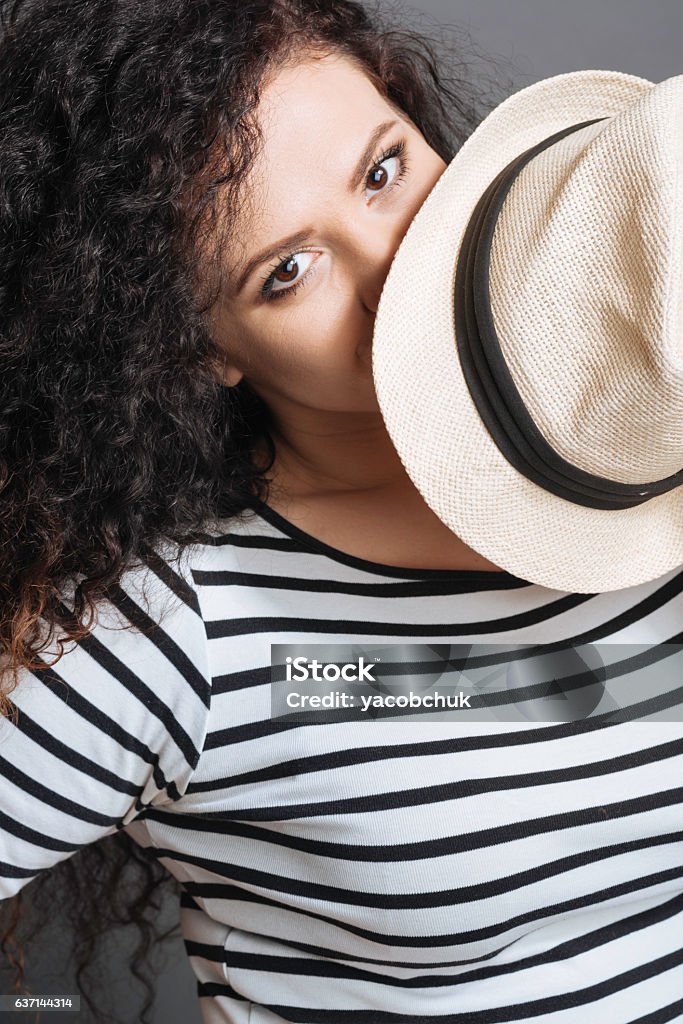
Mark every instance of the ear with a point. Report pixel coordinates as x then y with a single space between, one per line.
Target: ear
230 375
226 374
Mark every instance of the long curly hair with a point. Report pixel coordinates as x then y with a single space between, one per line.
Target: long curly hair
127 130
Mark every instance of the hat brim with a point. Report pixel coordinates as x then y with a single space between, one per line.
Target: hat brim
425 402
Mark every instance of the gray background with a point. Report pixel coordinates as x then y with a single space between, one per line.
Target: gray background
548 37
533 39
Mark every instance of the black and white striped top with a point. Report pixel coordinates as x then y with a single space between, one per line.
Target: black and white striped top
366 872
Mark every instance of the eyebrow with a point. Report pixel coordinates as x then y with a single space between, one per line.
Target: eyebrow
301 237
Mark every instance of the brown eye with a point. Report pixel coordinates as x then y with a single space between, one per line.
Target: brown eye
377 179
288 274
384 174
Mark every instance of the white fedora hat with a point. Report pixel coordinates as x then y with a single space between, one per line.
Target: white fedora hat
528 345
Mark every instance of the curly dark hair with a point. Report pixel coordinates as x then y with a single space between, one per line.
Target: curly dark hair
126 132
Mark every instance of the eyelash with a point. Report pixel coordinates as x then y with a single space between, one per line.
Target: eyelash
398 149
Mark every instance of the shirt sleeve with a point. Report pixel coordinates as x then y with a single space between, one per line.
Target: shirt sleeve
117 724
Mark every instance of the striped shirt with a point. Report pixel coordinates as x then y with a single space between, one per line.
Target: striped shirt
363 872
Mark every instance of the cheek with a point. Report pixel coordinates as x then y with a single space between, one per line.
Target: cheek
284 346
319 324
335 326
316 338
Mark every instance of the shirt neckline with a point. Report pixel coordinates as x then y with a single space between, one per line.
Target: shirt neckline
311 542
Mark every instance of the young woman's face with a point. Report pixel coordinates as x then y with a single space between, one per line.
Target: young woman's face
339 179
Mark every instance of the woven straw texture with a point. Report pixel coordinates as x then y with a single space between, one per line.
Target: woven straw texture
586 297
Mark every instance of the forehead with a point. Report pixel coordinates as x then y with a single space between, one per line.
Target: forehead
295 98
315 116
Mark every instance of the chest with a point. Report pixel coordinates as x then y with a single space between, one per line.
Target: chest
395 530
429 843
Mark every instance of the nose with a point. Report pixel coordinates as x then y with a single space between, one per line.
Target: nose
374 264
372 278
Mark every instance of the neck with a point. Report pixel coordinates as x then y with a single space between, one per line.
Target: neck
346 453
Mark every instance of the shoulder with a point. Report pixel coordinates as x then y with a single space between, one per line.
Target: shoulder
136 690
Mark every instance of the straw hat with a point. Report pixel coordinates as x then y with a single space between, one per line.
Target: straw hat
528 345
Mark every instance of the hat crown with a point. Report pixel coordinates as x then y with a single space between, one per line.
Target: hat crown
584 356
585 290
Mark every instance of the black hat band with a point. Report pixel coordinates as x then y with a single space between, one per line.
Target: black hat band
489 381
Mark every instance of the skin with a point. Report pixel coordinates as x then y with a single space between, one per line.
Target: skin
308 354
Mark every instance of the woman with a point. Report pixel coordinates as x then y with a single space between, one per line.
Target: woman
200 205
